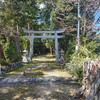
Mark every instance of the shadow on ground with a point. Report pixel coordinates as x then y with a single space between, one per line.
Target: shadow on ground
37 92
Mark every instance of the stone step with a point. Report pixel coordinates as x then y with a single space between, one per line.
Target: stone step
47 80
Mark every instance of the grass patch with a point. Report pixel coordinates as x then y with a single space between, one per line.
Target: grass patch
35 74
38 70
45 58
20 69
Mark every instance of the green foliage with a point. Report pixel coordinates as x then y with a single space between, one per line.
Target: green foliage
57 14
3 63
24 43
76 66
10 50
69 50
49 43
65 15
92 47
88 50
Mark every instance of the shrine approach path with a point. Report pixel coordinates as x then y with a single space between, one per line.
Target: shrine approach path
45 68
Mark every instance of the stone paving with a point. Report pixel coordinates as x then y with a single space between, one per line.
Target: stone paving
46 79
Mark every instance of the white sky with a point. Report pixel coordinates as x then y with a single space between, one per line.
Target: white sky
42 5
2 0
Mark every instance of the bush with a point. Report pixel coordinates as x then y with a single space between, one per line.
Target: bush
3 62
10 51
75 65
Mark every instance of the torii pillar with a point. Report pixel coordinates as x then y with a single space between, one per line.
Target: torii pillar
56 47
31 47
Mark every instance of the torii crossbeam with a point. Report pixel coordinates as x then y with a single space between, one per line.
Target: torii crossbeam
33 35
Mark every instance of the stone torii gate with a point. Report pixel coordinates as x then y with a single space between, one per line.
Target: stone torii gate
32 35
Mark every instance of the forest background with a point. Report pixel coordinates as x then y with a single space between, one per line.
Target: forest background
50 15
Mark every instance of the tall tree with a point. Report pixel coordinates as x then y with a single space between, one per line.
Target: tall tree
89 8
14 15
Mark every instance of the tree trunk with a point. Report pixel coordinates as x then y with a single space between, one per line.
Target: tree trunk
91 80
51 51
1 53
17 41
84 22
17 44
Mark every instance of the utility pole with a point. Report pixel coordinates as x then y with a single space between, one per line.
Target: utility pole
78 30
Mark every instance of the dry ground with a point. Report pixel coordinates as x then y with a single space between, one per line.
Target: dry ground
37 92
47 66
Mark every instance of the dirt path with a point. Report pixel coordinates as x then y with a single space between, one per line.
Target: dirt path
48 90
37 92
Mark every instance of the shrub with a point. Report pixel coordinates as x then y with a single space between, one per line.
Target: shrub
75 65
3 62
10 51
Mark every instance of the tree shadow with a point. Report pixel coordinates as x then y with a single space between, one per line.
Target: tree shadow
38 91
